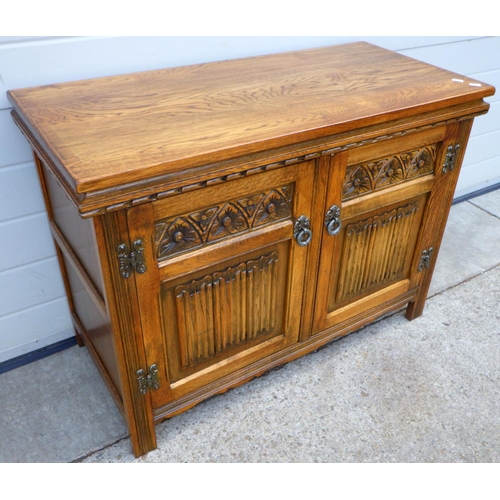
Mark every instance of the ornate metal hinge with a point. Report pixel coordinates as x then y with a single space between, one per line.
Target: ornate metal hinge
425 259
450 158
149 381
133 260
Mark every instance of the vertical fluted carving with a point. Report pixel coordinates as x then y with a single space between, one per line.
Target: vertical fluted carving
225 309
374 251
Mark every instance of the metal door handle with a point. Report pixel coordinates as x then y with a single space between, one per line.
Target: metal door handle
302 231
332 220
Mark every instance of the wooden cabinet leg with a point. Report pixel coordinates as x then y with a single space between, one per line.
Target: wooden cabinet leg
111 231
414 309
79 339
143 440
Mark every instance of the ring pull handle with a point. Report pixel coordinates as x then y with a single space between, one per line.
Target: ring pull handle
332 220
302 231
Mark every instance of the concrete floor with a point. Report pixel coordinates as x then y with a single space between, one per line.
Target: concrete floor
396 391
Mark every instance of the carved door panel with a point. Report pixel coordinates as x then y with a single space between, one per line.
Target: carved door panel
224 278
376 200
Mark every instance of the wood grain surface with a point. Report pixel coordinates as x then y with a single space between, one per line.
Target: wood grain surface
109 131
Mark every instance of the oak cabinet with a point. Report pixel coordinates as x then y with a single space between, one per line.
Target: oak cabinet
215 221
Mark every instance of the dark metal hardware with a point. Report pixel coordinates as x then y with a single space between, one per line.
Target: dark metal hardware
149 381
332 220
302 231
450 158
425 259
131 261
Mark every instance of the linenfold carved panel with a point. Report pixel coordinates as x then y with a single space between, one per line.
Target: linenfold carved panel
192 230
226 309
374 175
375 251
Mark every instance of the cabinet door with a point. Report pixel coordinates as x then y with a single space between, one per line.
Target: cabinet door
222 288
376 200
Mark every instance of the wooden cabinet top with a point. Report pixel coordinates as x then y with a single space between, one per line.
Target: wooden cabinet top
108 132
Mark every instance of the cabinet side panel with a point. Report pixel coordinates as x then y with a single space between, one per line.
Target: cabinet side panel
96 326
79 260
78 232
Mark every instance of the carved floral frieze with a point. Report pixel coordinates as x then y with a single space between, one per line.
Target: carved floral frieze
371 176
192 230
